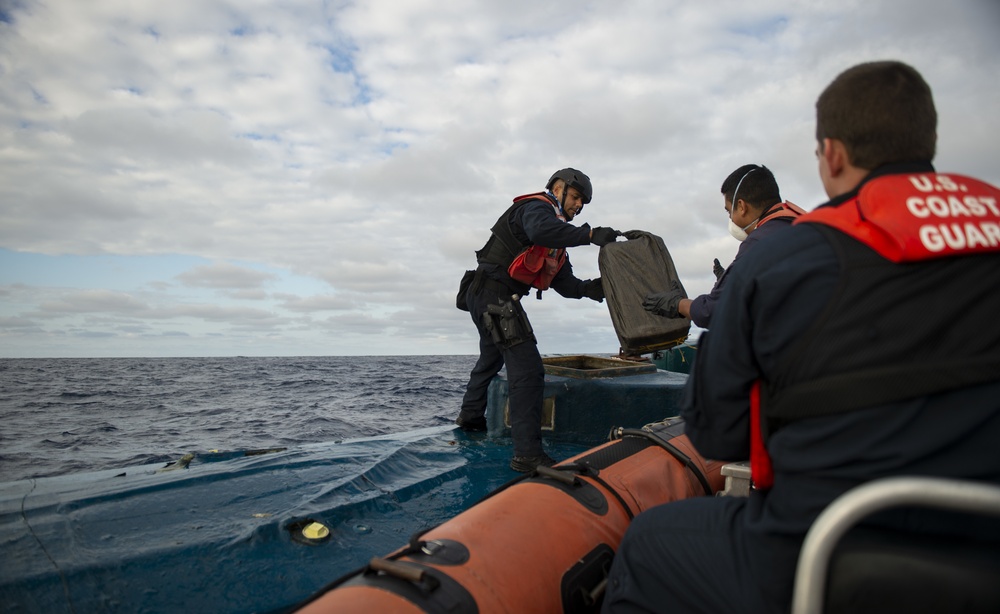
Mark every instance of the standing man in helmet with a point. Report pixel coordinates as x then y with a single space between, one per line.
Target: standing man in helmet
755 210
527 249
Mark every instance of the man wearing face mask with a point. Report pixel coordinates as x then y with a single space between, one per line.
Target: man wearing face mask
824 367
755 210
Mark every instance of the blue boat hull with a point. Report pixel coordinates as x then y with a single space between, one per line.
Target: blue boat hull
214 536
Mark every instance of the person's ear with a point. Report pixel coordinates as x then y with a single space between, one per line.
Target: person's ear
835 154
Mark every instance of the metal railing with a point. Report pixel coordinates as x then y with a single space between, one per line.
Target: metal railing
854 505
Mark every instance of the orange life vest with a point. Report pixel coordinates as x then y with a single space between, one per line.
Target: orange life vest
785 210
532 265
909 218
904 218
537 265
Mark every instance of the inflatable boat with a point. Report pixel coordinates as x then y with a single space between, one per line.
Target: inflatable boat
541 544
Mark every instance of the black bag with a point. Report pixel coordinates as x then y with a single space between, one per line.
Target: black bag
463 289
630 270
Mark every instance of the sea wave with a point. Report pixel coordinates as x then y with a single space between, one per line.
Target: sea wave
69 415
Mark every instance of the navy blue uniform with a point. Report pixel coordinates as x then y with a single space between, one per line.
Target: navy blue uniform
739 554
703 306
534 223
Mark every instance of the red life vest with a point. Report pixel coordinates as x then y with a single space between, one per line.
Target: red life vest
903 218
785 210
537 265
909 218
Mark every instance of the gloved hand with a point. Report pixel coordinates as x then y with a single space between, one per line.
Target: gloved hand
594 290
664 303
718 269
602 235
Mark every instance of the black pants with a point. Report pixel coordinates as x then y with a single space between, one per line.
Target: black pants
698 555
525 376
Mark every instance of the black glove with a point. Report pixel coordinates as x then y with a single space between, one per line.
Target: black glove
664 303
718 269
602 235
594 290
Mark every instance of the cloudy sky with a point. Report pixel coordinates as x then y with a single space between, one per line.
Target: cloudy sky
248 177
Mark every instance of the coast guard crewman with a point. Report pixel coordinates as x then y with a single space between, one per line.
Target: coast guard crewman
861 343
755 210
527 249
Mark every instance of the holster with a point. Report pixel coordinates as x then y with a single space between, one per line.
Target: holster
508 323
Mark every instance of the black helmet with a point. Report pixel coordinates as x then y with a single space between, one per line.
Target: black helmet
574 179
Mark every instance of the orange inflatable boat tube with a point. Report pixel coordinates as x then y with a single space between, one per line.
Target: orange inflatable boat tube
541 544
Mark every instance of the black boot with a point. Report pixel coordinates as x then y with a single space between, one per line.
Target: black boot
471 425
525 464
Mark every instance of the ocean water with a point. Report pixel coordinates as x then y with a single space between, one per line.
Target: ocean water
62 415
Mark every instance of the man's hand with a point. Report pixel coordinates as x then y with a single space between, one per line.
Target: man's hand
718 269
594 290
664 303
602 235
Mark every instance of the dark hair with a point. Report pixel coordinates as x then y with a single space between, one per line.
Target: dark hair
883 112
759 188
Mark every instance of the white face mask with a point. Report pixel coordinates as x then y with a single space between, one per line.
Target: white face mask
740 234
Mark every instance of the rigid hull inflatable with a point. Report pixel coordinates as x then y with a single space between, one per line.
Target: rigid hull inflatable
543 543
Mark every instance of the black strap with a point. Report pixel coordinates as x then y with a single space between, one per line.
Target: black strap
877 386
483 281
675 452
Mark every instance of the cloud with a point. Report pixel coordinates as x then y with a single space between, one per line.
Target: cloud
93 301
224 275
18 323
318 303
327 170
